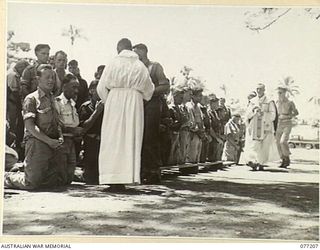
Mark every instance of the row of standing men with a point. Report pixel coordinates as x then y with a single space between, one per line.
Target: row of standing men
189 130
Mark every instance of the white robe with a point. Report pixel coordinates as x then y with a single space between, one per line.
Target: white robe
260 150
124 84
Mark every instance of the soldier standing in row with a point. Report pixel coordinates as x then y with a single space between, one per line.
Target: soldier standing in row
186 123
176 116
207 125
197 130
216 146
150 156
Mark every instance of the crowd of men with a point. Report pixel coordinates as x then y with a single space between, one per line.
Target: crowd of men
127 123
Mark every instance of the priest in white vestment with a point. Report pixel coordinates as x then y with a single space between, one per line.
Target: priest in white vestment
260 142
124 84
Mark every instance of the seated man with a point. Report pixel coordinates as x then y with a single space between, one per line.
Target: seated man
69 121
91 114
42 137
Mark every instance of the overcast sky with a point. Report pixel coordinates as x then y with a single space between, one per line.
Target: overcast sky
212 40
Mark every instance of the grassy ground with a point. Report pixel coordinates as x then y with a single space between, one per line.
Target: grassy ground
233 203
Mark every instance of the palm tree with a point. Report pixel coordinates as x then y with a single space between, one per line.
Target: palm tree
223 87
289 84
73 33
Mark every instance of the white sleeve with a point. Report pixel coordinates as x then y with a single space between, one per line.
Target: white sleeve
148 90
227 129
271 115
249 113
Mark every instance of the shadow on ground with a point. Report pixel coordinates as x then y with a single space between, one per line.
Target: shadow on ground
180 207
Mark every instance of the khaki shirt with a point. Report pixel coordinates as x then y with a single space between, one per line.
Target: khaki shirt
41 108
29 81
196 116
67 111
285 111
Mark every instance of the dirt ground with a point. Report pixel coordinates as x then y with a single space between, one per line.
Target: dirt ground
231 203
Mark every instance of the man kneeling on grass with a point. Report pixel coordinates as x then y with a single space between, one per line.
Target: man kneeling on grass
42 150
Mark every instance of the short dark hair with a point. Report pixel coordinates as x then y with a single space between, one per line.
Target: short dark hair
196 91
123 44
41 46
67 78
43 67
73 63
101 67
60 52
22 62
141 46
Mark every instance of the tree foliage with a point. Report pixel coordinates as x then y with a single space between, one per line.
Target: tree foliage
263 18
186 79
73 33
289 83
17 50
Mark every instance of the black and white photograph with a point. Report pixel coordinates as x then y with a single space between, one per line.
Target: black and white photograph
168 121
